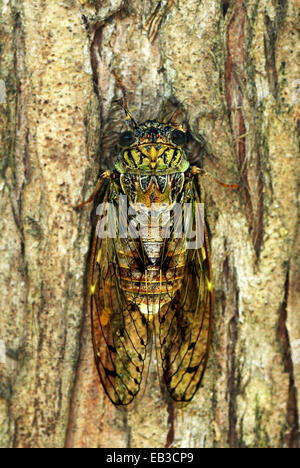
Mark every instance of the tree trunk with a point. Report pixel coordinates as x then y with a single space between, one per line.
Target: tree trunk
231 67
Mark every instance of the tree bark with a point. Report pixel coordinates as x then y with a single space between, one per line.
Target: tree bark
231 66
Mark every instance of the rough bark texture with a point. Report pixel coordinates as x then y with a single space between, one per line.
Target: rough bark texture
231 65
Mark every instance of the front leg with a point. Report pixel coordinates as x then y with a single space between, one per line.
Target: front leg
198 171
104 175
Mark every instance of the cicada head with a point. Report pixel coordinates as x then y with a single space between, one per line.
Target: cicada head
152 148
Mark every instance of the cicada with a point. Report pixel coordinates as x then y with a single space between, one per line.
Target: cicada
147 280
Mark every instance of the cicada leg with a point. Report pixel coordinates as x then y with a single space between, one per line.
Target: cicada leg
199 171
105 175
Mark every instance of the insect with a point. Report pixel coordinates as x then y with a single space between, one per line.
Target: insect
143 284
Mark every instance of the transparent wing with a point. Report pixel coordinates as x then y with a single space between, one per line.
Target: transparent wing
120 333
184 325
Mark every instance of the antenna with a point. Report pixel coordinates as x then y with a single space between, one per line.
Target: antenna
124 105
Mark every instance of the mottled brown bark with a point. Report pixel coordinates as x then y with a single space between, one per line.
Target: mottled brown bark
231 66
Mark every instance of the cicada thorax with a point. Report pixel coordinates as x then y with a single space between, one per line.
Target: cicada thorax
151 259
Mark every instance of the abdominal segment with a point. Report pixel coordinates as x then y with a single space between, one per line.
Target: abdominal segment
151 283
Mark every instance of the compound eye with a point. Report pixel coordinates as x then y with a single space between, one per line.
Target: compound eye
126 138
178 137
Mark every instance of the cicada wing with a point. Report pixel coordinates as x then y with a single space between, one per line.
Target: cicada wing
119 332
184 325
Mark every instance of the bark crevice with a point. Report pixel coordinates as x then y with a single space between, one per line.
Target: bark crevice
291 436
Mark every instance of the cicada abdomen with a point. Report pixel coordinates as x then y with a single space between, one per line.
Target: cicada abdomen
150 266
